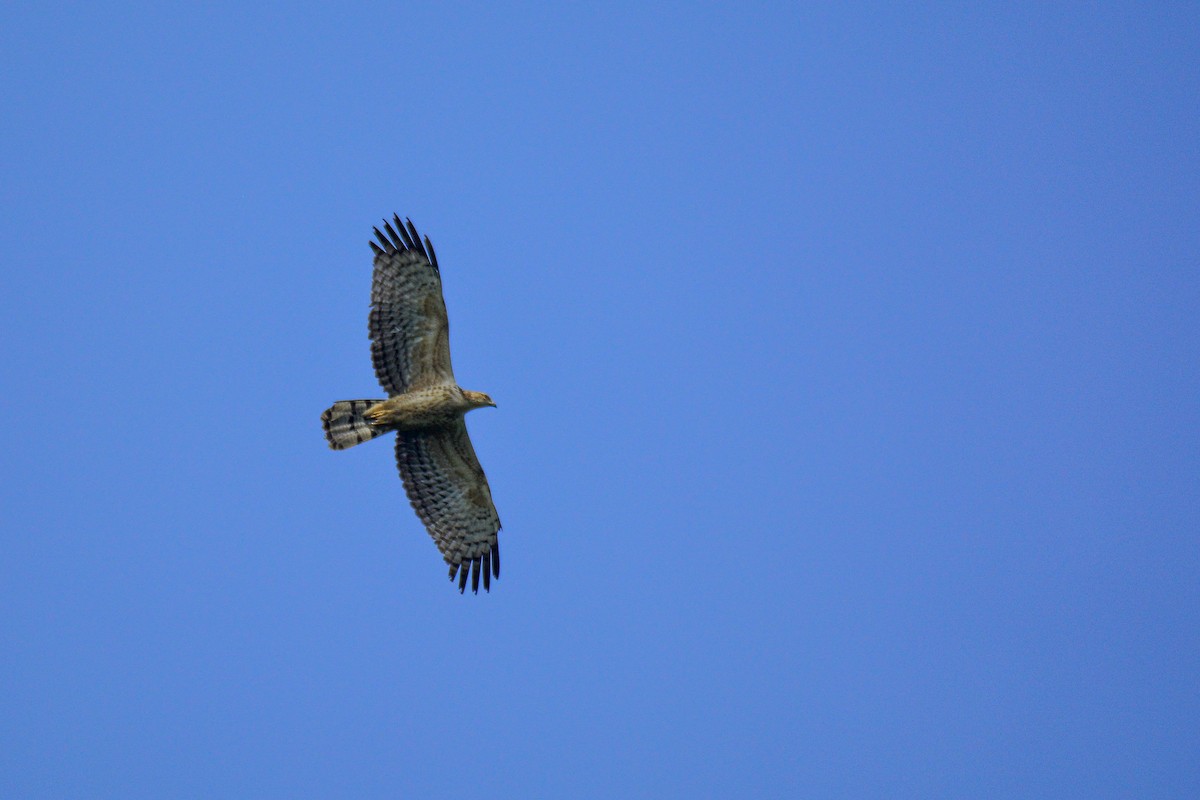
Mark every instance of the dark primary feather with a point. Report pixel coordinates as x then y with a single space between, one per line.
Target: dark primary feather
432 255
486 566
403 238
414 239
408 240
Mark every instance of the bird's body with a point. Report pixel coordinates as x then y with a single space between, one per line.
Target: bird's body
436 406
410 345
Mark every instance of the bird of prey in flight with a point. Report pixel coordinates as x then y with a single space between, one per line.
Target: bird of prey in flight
425 406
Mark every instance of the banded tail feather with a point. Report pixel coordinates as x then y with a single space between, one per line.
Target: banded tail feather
345 425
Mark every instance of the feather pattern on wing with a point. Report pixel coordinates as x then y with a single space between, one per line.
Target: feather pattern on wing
410 332
447 488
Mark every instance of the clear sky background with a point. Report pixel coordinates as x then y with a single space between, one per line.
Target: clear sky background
848 440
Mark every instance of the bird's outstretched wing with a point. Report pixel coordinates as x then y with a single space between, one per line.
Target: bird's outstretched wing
410 333
447 488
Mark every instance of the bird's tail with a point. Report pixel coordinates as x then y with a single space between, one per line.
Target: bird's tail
345 425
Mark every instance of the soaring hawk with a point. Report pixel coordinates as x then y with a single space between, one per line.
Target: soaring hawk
410 345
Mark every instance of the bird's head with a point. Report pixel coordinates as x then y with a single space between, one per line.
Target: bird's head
478 399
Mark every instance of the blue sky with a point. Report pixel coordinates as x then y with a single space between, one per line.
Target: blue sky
846 361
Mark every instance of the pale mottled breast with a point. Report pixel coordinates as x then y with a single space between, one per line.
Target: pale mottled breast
435 406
